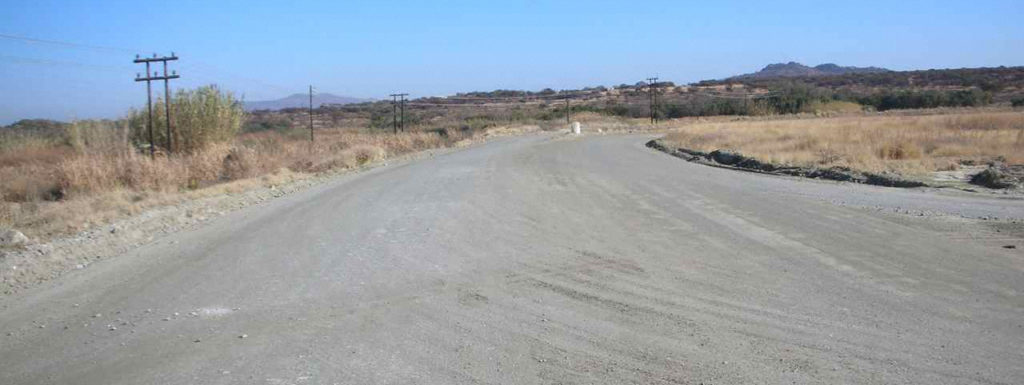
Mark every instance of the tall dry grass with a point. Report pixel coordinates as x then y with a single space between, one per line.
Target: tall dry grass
200 117
910 145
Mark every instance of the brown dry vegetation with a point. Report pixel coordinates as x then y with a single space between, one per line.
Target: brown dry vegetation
52 190
906 144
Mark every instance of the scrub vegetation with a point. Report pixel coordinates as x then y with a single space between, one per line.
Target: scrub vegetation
908 144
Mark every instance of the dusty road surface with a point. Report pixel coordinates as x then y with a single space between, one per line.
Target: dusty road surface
545 260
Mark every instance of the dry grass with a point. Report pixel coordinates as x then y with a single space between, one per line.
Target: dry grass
910 145
57 190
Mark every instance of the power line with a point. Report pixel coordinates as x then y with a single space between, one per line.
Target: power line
206 67
64 63
192 66
66 44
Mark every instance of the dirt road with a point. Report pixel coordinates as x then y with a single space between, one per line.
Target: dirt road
540 260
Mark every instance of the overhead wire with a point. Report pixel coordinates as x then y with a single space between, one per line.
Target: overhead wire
65 43
64 63
197 69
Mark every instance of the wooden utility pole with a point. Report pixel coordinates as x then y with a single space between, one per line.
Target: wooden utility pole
568 119
394 114
149 96
310 114
651 83
402 109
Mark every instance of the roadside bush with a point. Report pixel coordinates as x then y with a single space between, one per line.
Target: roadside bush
906 99
239 163
1017 102
107 136
899 150
199 118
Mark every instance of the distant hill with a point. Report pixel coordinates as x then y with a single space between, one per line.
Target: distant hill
1002 82
794 69
35 127
299 101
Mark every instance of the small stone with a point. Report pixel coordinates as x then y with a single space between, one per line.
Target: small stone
1010 247
243 336
167 318
197 341
111 327
11 237
97 315
149 310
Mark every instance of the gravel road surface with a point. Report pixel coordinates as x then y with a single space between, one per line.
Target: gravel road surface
548 260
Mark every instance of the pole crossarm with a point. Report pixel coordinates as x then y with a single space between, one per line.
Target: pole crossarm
150 78
154 59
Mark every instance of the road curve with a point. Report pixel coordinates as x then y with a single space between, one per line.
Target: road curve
542 260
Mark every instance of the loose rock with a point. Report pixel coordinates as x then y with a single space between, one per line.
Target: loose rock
726 157
11 237
993 177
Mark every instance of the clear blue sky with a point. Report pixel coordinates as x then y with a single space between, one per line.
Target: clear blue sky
266 50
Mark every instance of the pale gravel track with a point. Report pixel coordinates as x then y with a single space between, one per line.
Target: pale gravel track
531 260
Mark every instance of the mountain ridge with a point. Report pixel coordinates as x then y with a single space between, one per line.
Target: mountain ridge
794 69
301 100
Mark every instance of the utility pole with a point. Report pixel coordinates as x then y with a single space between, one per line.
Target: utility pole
394 113
395 106
311 114
149 96
567 115
651 90
402 108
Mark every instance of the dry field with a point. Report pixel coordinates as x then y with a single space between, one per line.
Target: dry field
910 145
49 191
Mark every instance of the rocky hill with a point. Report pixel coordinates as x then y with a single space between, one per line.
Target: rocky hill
794 69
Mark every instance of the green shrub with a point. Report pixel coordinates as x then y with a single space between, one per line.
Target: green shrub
1017 102
199 117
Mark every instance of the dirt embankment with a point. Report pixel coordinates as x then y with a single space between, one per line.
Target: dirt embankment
997 176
